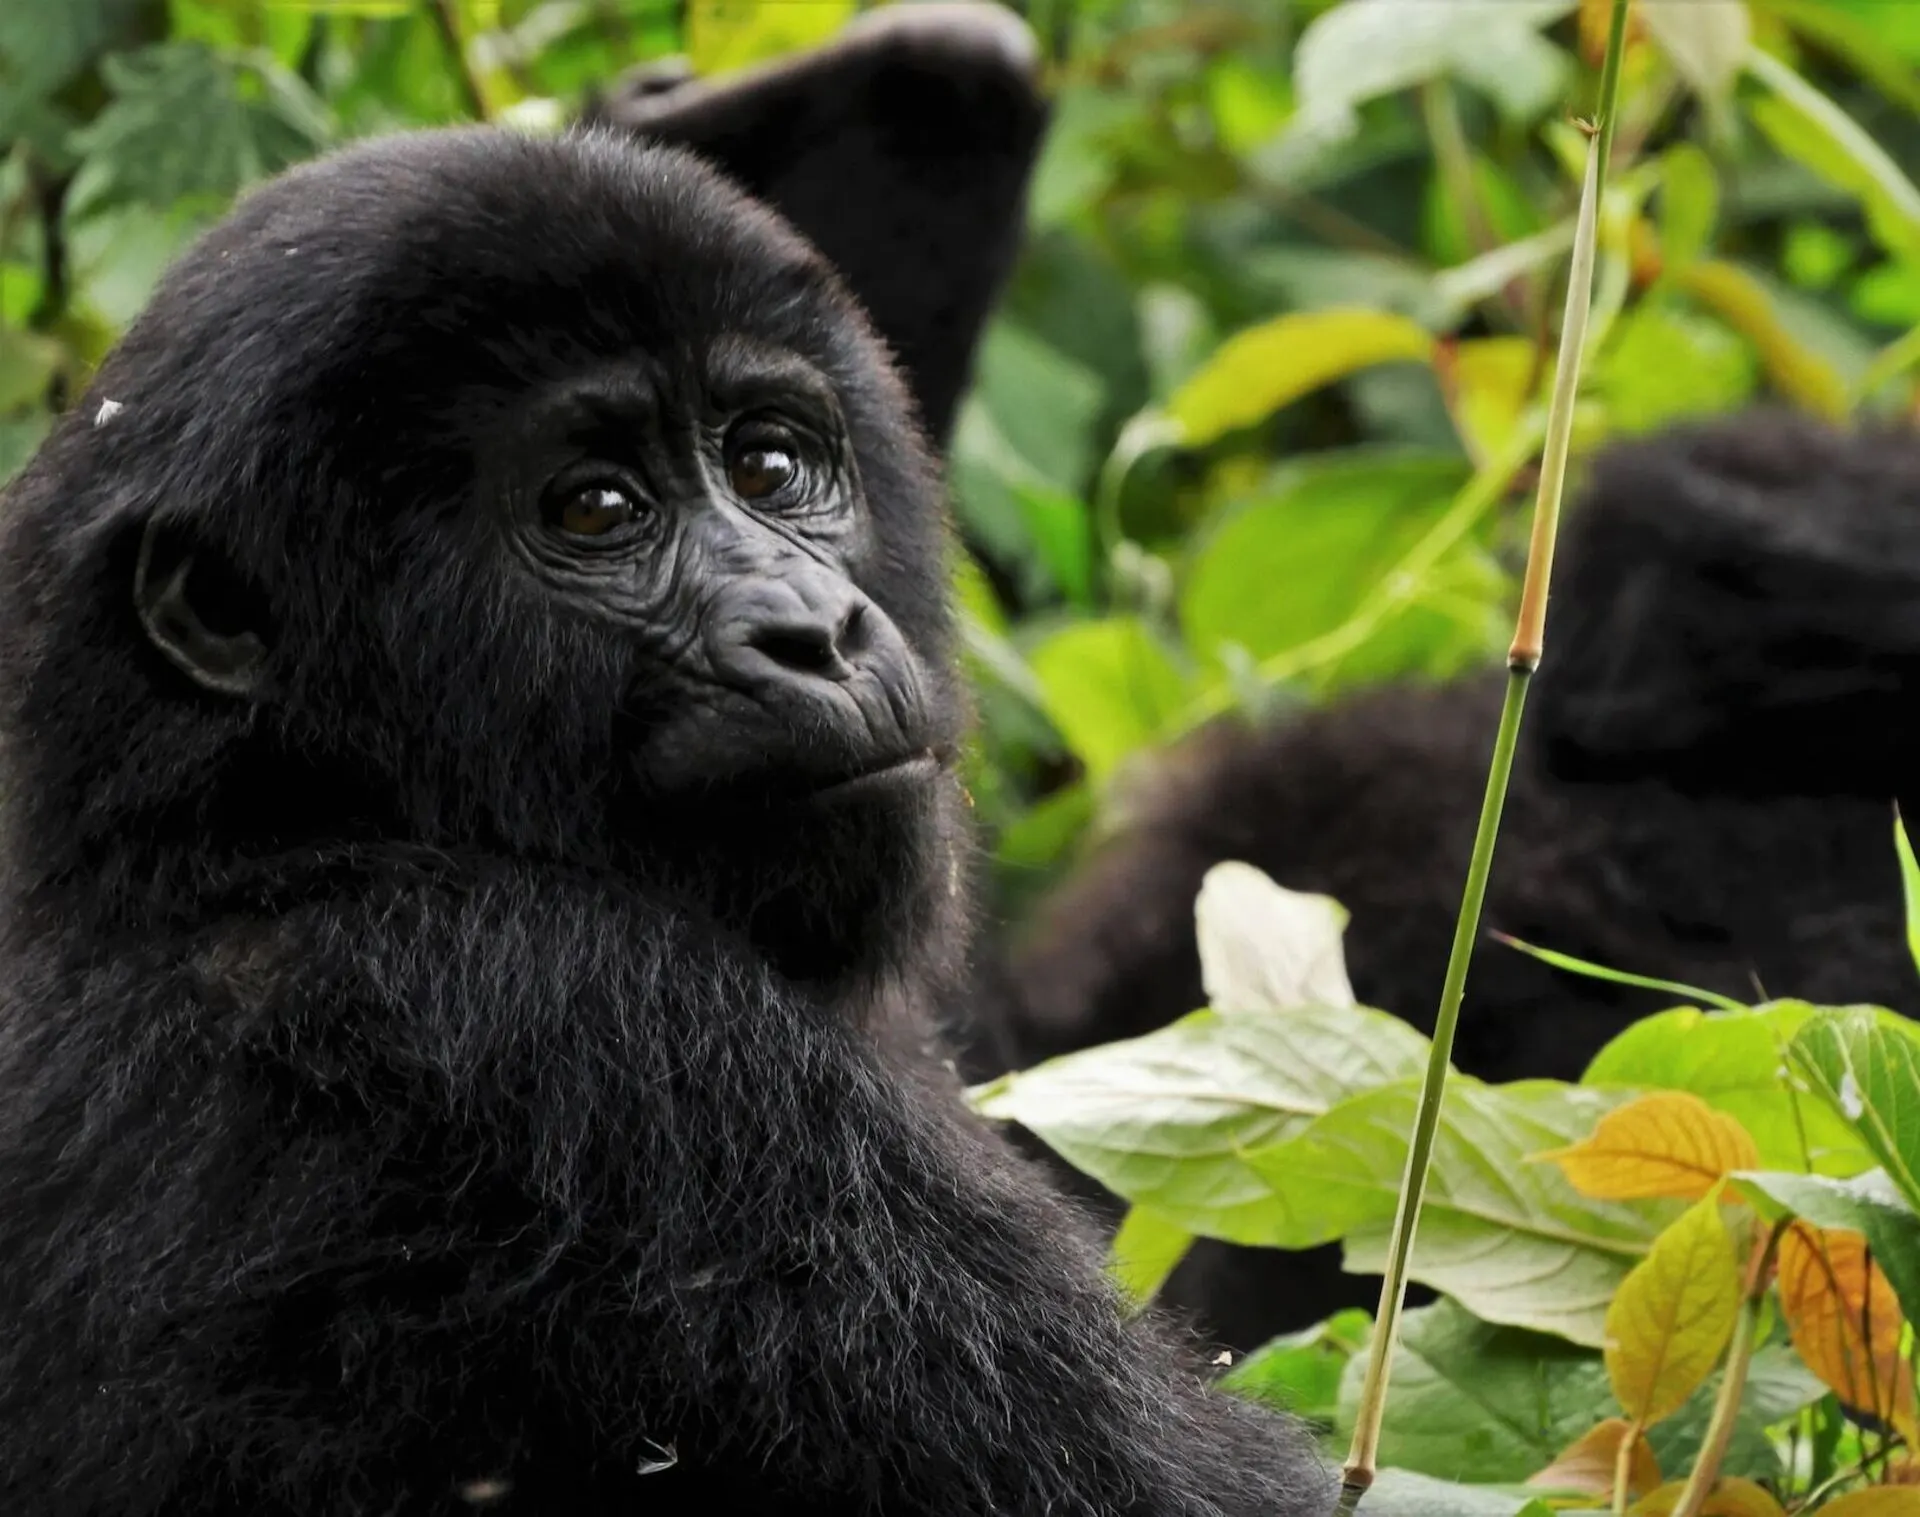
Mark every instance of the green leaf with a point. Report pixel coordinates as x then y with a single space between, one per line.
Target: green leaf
1867 1069
43 45
1809 128
1258 371
1778 1386
1299 563
1735 1061
1302 1372
1663 365
1508 1238
1163 1120
1909 886
28 362
729 34
185 122
1400 1493
1145 1250
1690 204
1110 687
1869 1203
19 436
1471 1400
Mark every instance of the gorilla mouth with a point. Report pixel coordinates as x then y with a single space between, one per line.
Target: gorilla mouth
915 768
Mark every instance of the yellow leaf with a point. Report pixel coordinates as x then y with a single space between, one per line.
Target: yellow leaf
1845 1322
1732 1497
730 34
1672 1316
1669 1143
1258 371
1587 1464
1487 382
1877 1501
1739 300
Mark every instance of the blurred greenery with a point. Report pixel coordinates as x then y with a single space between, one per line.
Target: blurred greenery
1255 422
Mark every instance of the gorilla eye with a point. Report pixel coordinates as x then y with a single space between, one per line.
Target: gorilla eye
593 511
762 462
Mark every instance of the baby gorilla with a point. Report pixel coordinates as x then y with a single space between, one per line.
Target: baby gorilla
478 846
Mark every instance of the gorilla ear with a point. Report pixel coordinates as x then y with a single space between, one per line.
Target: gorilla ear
201 631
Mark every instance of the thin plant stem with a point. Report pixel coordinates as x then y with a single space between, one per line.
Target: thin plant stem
1623 1468
1524 657
1733 1384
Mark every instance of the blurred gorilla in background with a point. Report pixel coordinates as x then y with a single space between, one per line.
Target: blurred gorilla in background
901 150
1728 708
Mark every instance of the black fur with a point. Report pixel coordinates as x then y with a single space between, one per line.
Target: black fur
901 150
402 1111
1729 706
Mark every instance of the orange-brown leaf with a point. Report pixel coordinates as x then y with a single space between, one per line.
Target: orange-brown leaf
1845 1321
1732 1497
1876 1501
1587 1464
1669 1143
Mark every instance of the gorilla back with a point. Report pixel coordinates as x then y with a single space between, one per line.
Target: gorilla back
478 838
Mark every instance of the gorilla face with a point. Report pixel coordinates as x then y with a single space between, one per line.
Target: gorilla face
482 491
710 512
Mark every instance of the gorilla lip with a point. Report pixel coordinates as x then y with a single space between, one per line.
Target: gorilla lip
922 765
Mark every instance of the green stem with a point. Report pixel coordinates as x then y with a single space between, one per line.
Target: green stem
1521 662
1373 1395
1610 90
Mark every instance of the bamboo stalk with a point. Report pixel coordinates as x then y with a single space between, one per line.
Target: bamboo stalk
1522 659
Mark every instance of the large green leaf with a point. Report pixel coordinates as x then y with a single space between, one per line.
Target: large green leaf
1663 365
1163 1120
1301 561
1866 1066
1506 1236
1497 1404
1472 1401
1302 1372
1110 687
1735 1061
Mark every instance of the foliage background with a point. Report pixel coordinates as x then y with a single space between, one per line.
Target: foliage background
1384 209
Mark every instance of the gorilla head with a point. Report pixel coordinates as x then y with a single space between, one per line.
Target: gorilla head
555 498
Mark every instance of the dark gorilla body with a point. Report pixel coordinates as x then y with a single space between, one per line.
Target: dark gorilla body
1704 794
467 918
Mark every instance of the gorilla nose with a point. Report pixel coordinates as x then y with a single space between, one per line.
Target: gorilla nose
795 629
818 643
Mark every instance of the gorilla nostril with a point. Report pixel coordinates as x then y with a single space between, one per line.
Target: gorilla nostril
853 638
798 646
